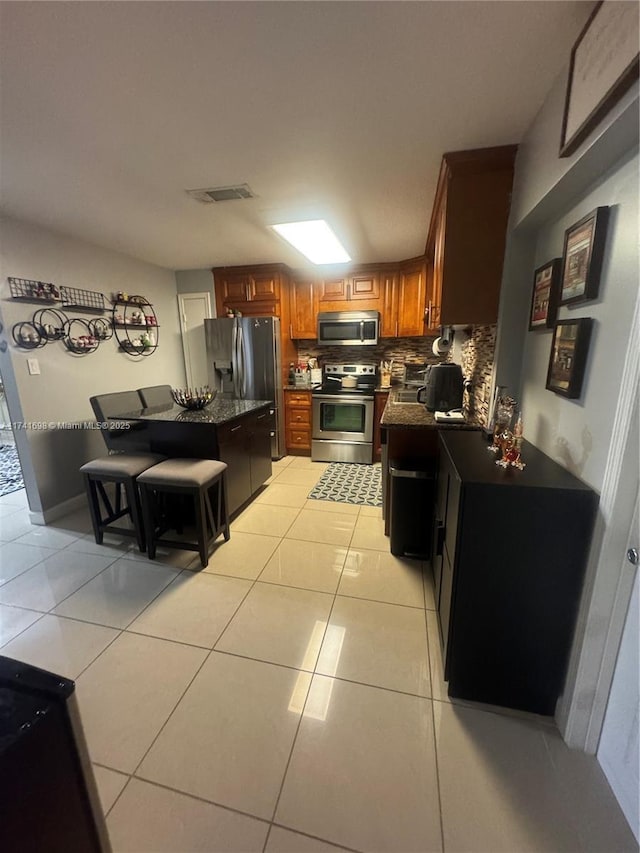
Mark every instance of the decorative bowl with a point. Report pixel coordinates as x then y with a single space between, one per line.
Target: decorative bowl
193 399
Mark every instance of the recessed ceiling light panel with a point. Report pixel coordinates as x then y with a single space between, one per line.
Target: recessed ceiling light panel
315 240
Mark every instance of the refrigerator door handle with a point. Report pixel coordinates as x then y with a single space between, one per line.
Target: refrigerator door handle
241 364
235 367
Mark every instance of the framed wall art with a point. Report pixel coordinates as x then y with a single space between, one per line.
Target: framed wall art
544 299
604 64
568 357
582 257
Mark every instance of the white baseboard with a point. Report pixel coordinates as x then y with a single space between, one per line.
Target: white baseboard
59 510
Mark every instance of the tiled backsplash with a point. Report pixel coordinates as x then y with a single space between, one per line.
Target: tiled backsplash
476 359
398 349
476 350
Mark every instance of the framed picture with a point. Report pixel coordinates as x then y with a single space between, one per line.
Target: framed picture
568 357
604 64
544 299
582 257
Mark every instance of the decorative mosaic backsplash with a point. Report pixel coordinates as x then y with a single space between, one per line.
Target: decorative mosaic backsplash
476 349
477 352
397 349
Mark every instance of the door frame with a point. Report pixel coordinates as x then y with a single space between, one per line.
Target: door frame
183 327
581 710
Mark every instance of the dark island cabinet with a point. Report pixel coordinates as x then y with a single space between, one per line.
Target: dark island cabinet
509 556
245 445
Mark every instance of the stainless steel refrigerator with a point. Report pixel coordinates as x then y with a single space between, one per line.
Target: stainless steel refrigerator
244 362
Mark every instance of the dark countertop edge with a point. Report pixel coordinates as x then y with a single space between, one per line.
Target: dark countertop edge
138 415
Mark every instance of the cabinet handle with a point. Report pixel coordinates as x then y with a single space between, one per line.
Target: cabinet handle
290 331
260 417
234 429
396 328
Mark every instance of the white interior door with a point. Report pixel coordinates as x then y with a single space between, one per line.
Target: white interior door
618 749
194 309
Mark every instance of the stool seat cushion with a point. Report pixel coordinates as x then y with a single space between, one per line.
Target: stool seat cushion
183 472
121 464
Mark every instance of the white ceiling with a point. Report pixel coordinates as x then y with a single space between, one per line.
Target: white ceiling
110 111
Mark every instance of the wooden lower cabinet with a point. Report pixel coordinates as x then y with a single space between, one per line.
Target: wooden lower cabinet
509 555
297 411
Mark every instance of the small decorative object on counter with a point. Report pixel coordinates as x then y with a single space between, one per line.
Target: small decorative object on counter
503 415
195 399
292 373
511 446
385 373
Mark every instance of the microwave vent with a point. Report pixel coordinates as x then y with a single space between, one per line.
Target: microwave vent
208 196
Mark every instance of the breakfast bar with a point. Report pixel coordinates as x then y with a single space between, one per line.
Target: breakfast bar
237 432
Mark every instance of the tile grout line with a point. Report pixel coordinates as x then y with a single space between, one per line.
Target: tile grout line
295 737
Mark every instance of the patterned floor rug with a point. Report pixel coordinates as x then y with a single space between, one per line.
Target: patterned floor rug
348 483
10 473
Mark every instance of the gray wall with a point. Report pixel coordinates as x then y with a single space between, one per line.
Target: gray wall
196 281
549 195
51 457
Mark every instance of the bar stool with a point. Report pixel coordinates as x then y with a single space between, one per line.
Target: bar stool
122 470
199 479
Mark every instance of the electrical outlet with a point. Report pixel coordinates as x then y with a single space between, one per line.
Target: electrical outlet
34 366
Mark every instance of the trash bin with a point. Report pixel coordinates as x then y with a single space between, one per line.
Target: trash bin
411 507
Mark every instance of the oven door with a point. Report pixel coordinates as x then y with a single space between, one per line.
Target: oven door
337 417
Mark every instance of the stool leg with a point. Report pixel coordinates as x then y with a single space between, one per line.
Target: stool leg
135 510
201 527
94 508
147 501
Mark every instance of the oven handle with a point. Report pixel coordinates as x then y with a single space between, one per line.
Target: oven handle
342 398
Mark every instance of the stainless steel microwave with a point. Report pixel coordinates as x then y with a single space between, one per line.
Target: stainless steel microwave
348 328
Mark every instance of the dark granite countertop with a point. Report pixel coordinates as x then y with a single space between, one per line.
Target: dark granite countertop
415 416
220 411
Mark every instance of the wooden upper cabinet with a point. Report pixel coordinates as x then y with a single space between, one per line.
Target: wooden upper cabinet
303 309
467 235
264 286
332 290
411 299
364 287
389 310
254 291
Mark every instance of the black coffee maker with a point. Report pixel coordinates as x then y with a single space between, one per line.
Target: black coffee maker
443 388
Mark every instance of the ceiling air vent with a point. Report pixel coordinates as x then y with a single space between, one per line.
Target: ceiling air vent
222 193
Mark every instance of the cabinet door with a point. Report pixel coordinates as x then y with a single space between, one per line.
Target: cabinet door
234 287
303 310
233 442
444 608
364 287
389 308
411 297
260 448
264 287
332 290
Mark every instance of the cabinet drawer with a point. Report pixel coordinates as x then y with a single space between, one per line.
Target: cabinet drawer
232 431
298 417
299 438
297 398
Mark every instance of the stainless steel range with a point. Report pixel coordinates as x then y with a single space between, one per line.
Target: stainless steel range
342 415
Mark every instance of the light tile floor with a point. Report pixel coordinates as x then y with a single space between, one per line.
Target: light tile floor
289 698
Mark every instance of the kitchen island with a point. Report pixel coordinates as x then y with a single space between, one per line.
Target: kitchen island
237 432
